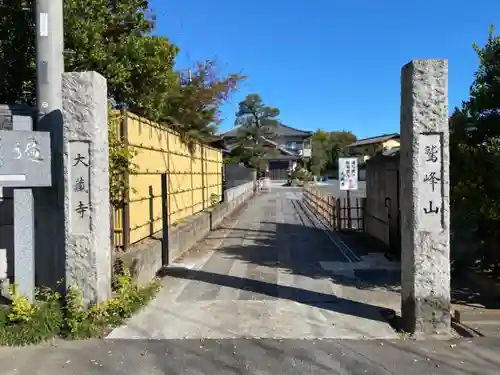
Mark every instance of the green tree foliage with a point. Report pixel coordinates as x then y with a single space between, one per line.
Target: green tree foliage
475 151
110 37
193 109
114 38
326 149
17 51
258 123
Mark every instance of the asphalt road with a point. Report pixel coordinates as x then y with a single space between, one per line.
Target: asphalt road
256 357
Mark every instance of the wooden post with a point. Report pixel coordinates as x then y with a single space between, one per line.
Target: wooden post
339 215
348 207
330 211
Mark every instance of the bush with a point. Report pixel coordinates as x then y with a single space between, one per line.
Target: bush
300 174
214 199
25 323
81 323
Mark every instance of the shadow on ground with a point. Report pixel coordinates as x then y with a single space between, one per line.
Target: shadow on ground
311 298
466 292
297 249
300 249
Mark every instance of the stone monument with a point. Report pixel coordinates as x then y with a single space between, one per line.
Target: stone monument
60 177
73 218
86 176
425 208
24 164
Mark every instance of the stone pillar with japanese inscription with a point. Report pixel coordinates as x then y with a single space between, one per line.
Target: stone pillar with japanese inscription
86 185
424 197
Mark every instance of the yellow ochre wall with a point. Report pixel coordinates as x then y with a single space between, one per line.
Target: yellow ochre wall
372 148
194 178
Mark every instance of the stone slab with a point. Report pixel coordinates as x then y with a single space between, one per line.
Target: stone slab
478 315
234 192
25 159
3 263
278 319
24 242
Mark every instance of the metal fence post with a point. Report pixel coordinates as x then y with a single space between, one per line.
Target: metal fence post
223 187
151 211
126 178
112 239
203 176
165 256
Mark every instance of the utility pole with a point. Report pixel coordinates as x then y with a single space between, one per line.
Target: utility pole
49 56
49 70
185 80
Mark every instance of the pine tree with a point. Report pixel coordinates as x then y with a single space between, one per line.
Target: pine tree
257 125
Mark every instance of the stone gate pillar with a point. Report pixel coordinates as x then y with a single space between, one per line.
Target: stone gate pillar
424 199
86 187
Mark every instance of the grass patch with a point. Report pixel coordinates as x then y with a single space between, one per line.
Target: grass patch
51 315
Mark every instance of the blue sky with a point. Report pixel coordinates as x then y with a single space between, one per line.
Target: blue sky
330 64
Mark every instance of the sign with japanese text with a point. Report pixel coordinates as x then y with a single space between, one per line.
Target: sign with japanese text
25 159
79 184
430 184
348 173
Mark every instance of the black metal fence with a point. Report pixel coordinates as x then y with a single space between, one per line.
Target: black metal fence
236 175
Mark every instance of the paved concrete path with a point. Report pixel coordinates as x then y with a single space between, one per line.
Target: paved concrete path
270 273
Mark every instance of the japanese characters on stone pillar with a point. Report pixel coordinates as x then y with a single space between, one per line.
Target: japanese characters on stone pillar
425 215
79 175
431 192
86 176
